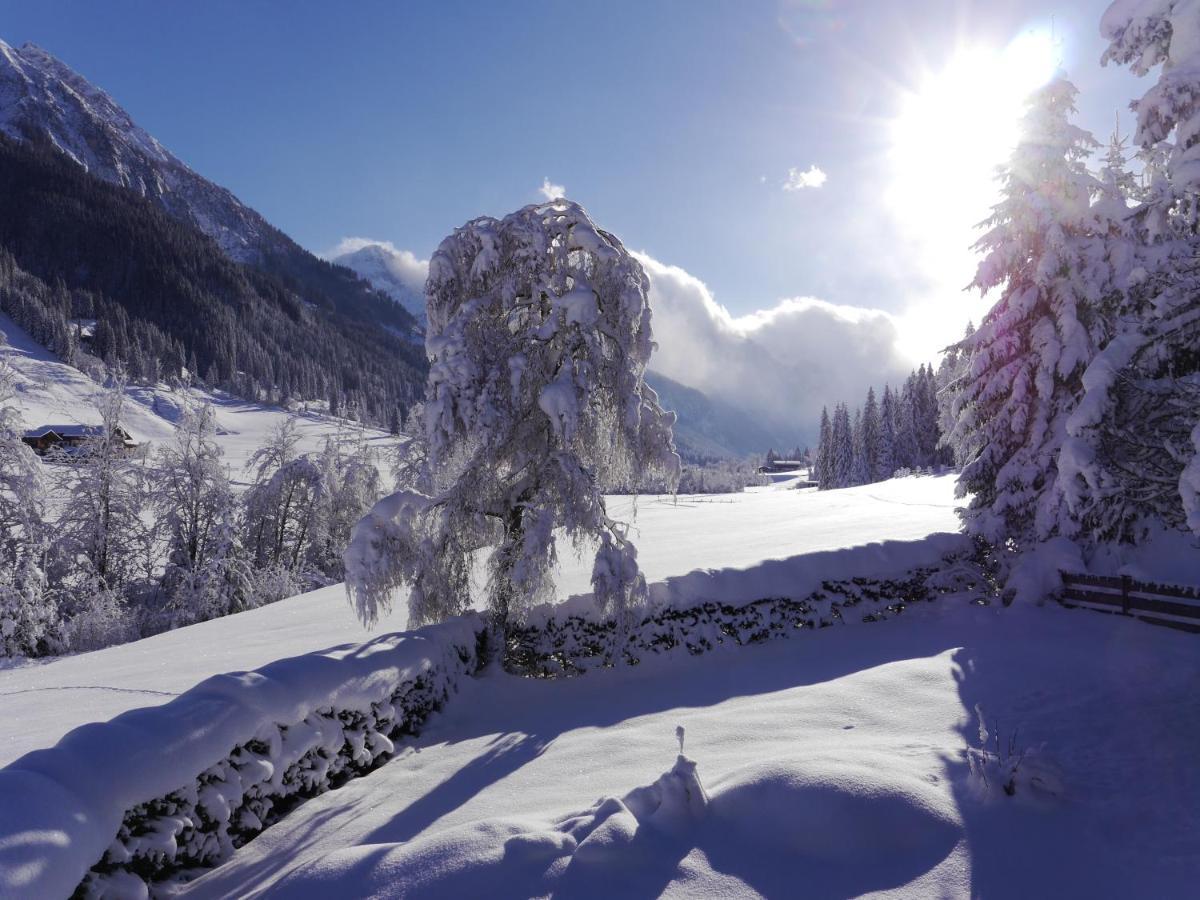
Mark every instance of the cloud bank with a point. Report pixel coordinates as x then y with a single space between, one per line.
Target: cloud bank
781 364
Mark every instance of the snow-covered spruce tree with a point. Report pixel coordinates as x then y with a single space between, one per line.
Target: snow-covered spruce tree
28 614
538 338
1134 437
951 379
887 433
843 447
1029 353
824 467
860 464
872 437
205 575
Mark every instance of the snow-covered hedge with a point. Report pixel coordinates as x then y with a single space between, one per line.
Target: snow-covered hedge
702 610
116 805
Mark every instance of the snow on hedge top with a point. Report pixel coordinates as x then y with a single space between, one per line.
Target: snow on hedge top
61 808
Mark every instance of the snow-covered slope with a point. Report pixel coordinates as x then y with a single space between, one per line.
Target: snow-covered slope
398 273
736 531
39 95
49 391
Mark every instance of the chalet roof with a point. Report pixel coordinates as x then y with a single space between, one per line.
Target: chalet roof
73 430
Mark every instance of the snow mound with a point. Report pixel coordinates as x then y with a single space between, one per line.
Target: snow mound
842 811
766 824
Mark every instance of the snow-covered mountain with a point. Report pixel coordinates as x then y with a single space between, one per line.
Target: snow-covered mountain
398 273
43 100
41 97
710 429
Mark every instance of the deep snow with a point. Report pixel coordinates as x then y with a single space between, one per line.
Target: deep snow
833 766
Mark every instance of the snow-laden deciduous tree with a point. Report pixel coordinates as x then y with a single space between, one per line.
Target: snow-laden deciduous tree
1028 356
28 614
103 541
281 505
205 574
538 339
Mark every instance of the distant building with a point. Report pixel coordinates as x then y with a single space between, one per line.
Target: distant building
71 437
778 466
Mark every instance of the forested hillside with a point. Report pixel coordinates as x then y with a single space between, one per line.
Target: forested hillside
169 303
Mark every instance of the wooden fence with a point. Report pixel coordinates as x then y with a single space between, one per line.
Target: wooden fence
1176 606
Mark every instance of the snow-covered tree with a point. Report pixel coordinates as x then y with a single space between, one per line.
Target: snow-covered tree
102 543
872 438
281 505
843 447
824 469
350 472
1029 354
28 614
950 380
1132 440
887 433
860 463
205 576
538 337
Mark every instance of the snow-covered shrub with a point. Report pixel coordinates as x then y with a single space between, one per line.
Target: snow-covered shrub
1003 764
244 749
538 337
574 644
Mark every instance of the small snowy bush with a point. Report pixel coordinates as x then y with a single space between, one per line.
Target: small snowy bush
1004 764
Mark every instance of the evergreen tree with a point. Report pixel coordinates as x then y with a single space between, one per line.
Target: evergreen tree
1029 354
825 455
859 464
843 447
871 439
887 434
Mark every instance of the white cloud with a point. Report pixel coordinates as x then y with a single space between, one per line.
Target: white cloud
812 177
552 191
783 363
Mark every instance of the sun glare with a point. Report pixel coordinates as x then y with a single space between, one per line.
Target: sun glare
945 144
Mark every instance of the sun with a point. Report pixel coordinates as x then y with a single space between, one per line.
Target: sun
945 143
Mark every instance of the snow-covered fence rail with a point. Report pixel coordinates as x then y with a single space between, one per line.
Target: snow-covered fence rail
119 805
1173 605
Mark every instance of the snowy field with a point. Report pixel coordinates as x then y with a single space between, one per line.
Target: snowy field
737 531
833 766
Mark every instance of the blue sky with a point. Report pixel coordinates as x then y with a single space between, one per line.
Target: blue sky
675 123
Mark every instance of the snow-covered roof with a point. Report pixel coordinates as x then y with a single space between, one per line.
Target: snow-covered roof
74 430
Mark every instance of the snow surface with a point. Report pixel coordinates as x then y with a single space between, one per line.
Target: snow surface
831 766
736 531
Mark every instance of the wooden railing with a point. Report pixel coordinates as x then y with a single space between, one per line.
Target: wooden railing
1173 605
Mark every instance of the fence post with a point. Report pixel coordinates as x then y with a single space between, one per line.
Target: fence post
1125 586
